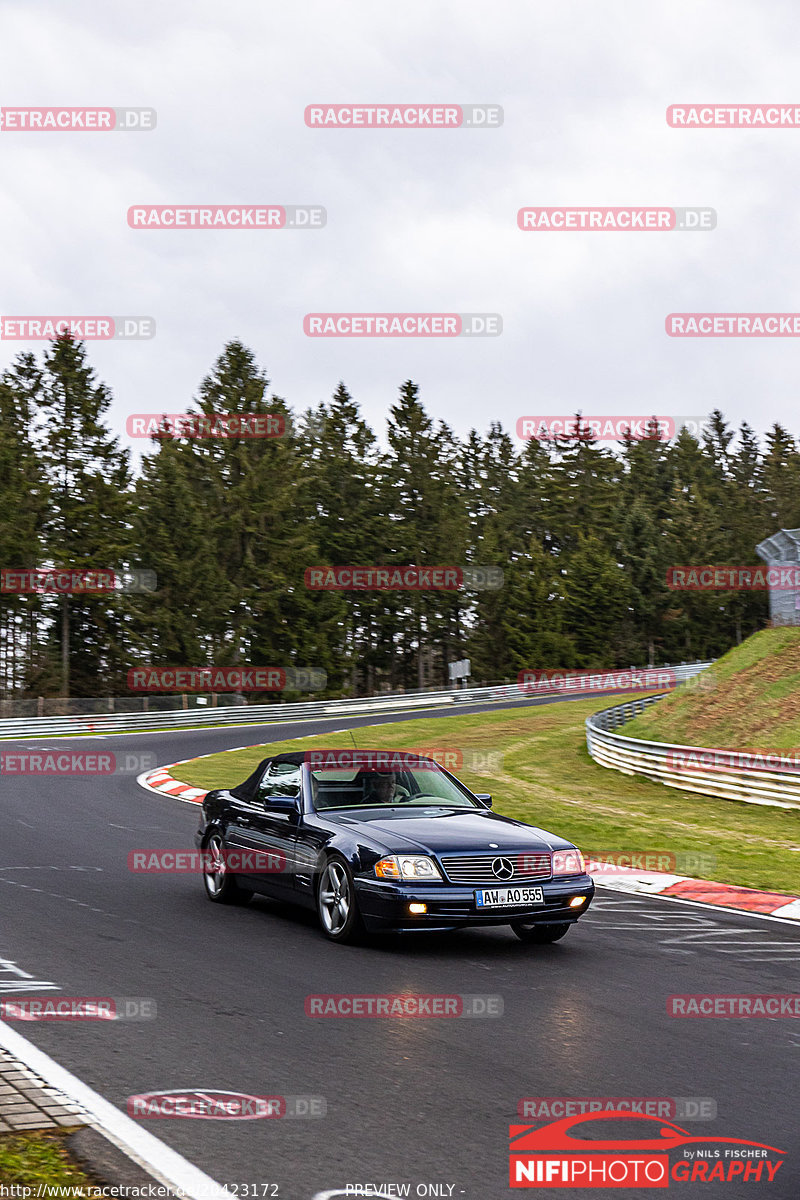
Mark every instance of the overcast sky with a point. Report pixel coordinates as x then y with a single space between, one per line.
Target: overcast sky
418 220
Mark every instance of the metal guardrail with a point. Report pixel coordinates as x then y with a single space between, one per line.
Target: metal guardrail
682 766
253 714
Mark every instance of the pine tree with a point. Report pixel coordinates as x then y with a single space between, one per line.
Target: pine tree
427 527
259 515
349 526
171 527
781 476
89 518
597 594
23 501
584 493
643 560
694 538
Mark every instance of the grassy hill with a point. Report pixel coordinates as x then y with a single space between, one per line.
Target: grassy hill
754 701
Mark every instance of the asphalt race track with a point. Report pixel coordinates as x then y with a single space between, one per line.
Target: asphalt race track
418 1101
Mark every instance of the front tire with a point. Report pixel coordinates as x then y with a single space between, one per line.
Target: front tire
539 934
222 887
337 906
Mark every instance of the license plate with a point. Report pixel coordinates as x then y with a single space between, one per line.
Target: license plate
522 897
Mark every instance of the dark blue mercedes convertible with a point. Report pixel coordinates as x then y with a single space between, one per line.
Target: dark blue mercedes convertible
386 840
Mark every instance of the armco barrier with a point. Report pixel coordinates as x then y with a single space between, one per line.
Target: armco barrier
254 714
634 756
250 714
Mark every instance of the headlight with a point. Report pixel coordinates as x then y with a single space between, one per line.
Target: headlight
407 866
568 862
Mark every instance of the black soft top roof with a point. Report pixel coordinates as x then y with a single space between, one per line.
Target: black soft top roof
247 790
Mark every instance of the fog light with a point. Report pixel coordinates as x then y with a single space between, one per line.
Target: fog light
577 901
417 909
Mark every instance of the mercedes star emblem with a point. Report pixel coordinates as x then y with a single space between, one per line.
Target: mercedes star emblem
503 868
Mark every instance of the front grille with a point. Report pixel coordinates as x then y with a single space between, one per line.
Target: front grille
479 868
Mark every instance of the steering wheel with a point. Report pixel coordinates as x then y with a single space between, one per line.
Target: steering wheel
401 795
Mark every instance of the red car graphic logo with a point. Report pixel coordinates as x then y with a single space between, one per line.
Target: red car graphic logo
556 1136
567 1153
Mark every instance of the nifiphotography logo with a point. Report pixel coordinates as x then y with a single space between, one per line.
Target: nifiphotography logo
567 1153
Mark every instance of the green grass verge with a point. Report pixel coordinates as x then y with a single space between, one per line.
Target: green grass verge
547 778
749 699
40 1158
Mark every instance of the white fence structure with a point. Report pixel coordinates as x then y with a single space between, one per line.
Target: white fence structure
726 774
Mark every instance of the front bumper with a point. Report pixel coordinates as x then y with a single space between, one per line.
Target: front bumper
383 904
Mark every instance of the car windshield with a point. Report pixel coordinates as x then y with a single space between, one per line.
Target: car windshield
418 787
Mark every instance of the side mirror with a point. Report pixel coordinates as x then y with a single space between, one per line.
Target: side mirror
288 806
484 798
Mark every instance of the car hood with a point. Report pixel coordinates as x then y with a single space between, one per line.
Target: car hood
446 831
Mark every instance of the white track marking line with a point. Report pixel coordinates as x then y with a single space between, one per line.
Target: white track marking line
164 1164
741 912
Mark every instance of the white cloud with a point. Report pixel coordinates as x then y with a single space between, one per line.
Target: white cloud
416 220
